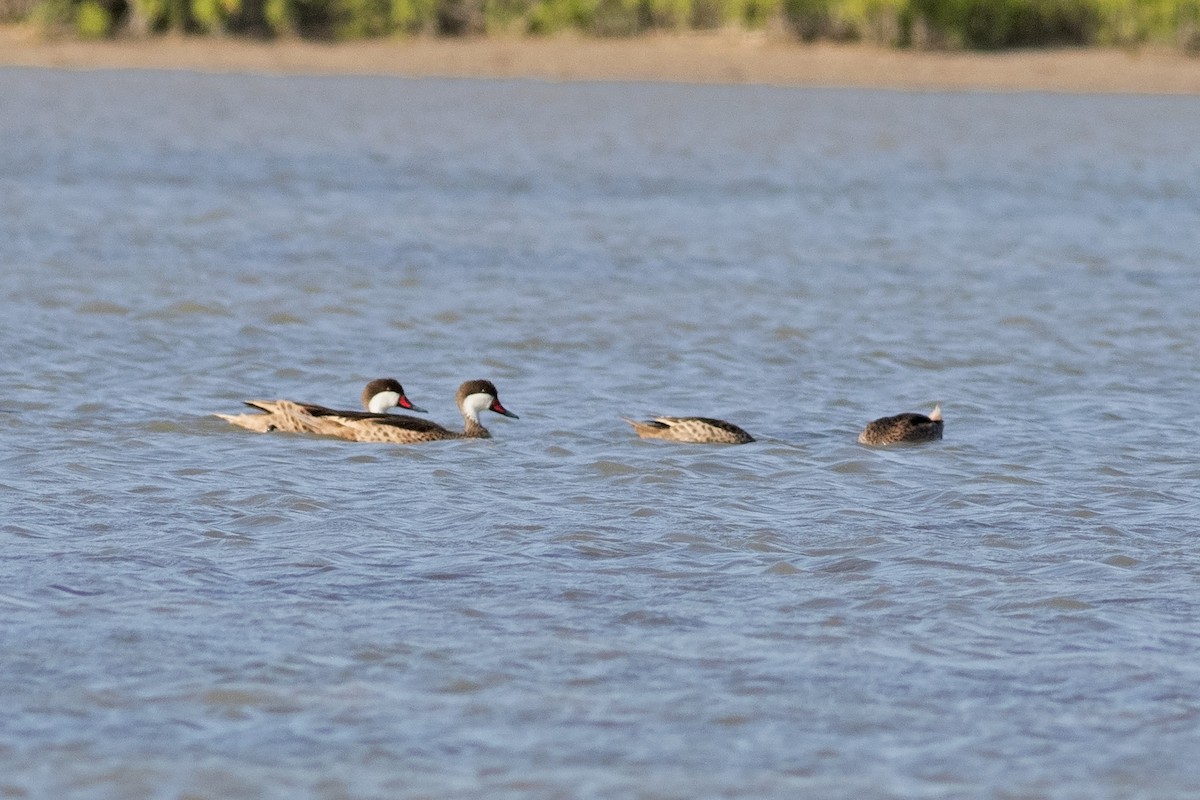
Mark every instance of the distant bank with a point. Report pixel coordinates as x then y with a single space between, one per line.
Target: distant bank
723 57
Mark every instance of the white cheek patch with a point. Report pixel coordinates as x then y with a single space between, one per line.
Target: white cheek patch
474 403
382 401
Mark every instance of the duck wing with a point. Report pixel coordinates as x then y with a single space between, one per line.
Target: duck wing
402 421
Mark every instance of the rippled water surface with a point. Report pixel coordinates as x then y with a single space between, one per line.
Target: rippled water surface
193 610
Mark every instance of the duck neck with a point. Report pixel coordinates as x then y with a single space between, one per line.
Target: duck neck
473 428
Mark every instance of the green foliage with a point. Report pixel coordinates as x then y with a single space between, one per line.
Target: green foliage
414 16
53 15
146 13
879 21
316 19
808 19
501 16
277 16
614 18
665 14
92 20
753 14
551 16
980 24
461 17
1167 21
360 19
211 15
990 24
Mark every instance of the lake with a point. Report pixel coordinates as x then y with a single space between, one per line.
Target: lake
192 610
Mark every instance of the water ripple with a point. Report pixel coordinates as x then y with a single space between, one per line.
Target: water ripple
565 608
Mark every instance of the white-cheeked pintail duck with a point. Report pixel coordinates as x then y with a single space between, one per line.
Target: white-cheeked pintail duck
904 428
695 430
290 416
472 398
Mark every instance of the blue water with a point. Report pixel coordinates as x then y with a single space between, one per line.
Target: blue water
191 610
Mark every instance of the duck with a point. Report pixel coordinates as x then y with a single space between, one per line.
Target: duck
904 428
379 396
695 430
472 398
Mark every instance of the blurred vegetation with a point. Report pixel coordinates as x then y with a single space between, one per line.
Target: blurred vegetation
973 24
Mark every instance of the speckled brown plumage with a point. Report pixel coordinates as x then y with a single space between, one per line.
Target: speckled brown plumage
400 429
285 416
904 428
366 426
289 416
695 430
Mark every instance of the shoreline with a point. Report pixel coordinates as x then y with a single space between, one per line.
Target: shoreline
723 57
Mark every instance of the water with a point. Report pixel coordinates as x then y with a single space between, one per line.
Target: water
192 610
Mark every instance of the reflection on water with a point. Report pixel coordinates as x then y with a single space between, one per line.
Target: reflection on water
192 609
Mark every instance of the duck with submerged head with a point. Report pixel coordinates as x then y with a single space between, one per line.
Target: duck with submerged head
694 430
907 428
289 416
473 397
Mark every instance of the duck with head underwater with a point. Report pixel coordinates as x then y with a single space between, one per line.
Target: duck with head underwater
693 430
906 428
